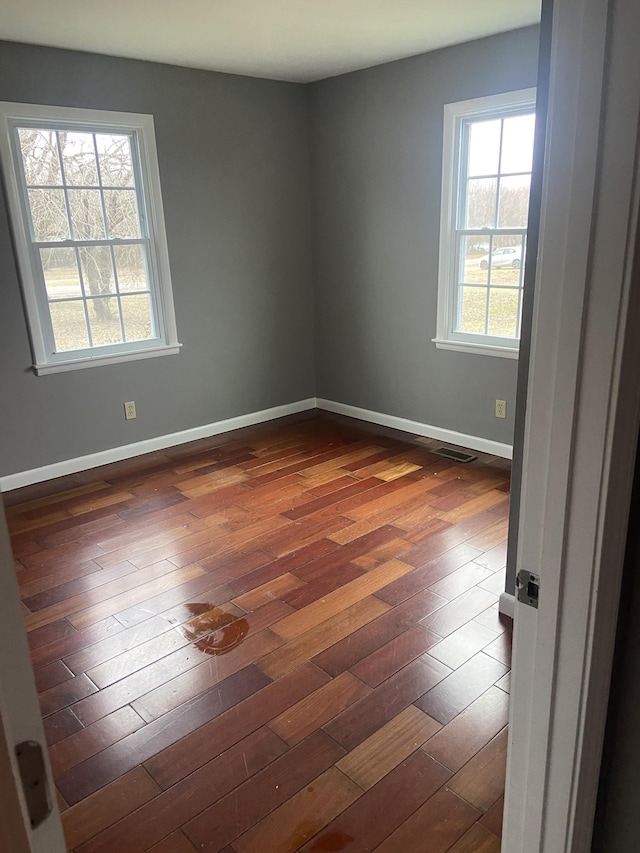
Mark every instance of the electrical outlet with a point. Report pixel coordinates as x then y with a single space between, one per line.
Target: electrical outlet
501 409
130 411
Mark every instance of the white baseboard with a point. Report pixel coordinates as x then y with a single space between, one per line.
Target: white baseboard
126 451
473 442
507 604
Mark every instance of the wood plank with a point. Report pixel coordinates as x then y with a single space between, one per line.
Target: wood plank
463 579
477 840
387 747
65 694
312 712
287 828
275 588
211 739
308 645
118 643
177 842
93 739
395 694
307 593
138 747
452 616
443 819
297 558
60 725
169 810
383 808
251 802
86 819
391 657
423 577
481 781
335 602
89 607
455 692
50 675
355 488
492 818
68 645
461 645
197 679
114 605
457 742
358 644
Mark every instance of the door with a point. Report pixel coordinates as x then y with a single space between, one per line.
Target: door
20 721
581 427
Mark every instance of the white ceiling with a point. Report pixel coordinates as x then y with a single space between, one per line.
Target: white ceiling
296 40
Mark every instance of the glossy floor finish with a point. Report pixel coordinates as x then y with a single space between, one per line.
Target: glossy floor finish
285 638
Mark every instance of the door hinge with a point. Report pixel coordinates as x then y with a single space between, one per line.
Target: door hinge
527 588
34 780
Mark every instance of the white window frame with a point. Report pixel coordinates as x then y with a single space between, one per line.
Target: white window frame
141 127
498 106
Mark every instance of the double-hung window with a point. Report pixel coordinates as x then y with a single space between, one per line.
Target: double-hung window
487 160
84 198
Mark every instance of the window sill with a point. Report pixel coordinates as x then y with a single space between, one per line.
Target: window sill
98 360
477 349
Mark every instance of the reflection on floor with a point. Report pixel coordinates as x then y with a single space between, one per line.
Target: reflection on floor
285 638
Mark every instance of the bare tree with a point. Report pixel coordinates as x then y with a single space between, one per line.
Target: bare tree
99 179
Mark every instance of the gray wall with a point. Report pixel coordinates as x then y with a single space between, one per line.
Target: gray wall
376 138
233 156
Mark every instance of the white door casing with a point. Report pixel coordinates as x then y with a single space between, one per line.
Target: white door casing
20 721
581 428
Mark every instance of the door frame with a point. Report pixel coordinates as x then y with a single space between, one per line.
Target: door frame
581 427
20 720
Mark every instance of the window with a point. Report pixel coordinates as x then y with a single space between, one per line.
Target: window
486 179
85 204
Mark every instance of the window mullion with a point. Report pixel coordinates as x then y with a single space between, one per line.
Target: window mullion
65 190
117 286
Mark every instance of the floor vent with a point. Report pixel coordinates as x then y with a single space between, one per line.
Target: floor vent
456 455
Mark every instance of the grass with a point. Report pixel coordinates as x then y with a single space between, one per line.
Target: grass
503 311
68 318
70 329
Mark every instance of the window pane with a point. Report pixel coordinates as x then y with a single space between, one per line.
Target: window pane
61 276
78 158
506 261
130 266
503 312
474 259
136 314
104 318
69 325
48 215
472 309
517 144
97 271
484 147
481 203
116 162
40 156
514 202
122 213
86 214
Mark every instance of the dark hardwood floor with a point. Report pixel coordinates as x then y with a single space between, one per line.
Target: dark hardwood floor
284 638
